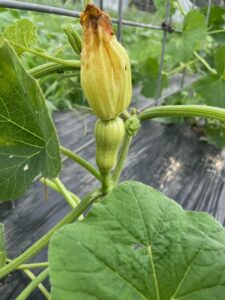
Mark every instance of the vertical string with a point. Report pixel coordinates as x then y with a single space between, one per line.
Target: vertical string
120 17
164 40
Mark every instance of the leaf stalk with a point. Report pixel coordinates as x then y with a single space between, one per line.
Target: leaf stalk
81 161
33 284
183 111
41 243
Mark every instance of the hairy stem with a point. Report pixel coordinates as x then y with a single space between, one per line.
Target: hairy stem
44 55
31 266
33 284
40 286
106 183
66 193
51 68
41 243
81 162
122 158
54 187
183 111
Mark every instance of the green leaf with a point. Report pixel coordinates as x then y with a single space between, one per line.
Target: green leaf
216 22
3 254
216 17
150 73
215 134
212 89
22 35
194 32
219 59
138 244
28 141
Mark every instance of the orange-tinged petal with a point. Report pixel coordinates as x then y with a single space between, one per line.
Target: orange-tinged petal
105 66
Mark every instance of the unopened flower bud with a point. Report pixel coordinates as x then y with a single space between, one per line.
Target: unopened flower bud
105 66
73 38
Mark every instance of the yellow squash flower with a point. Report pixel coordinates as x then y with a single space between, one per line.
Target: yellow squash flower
105 66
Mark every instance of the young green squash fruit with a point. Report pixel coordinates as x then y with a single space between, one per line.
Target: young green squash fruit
108 137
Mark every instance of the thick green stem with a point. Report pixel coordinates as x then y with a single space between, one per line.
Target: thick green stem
122 158
52 68
106 183
40 244
54 187
44 55
31 266
183 111
40 286
33 284
81 162
66 193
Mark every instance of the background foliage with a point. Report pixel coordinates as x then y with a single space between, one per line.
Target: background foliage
201 37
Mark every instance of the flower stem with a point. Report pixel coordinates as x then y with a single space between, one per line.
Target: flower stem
41 243
31 266
81 162
54 187
122 158
40 286
33 284
51 68
44 55
183 111
106 183
67 194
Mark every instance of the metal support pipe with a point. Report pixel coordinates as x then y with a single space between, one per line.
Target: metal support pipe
65 12
159 81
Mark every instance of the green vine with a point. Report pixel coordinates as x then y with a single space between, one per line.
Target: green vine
183 111
41 243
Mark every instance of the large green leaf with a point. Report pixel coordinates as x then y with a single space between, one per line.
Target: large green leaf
150 73
22 35
138 244
216 16
219 59
194 33
212 87
28 141
2 246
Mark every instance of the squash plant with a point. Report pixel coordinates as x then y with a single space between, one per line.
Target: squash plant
134 242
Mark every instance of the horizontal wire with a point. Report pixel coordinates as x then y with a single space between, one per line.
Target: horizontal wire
39 8
65 12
